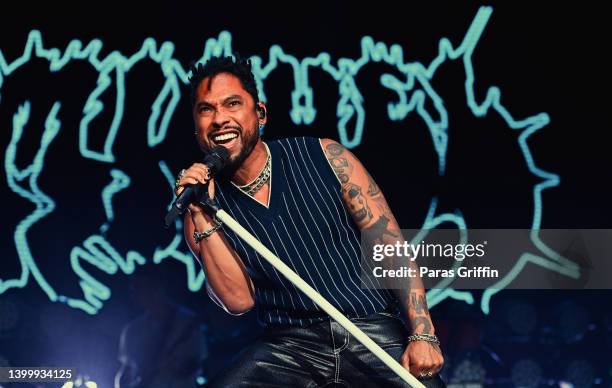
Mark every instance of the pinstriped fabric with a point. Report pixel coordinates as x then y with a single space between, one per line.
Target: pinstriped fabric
308 227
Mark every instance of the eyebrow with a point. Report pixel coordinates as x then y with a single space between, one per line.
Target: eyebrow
208 104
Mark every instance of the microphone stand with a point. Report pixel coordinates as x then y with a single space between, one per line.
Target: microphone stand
213 209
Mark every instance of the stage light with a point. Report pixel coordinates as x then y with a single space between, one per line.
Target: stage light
580 373
82 381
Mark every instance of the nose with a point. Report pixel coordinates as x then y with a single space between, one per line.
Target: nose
220 119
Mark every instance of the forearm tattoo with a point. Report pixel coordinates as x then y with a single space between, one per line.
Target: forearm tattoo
421 325
418 313
418 303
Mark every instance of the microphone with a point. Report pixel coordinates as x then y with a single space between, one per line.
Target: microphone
215 160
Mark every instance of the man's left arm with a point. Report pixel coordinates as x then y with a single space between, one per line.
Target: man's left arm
370 211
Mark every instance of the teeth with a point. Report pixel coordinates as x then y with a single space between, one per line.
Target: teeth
227 136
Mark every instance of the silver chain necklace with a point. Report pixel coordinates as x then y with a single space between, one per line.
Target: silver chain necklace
264 176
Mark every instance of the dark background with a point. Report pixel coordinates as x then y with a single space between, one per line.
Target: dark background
544 57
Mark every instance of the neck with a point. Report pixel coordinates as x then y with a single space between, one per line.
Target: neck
252 165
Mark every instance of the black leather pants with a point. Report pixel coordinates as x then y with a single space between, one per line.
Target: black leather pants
321 355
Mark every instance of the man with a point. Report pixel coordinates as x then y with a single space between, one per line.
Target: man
307 200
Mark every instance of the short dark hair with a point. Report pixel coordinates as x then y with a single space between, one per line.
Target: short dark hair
239 67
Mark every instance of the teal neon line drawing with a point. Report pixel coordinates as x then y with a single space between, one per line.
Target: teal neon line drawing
16 180
413 90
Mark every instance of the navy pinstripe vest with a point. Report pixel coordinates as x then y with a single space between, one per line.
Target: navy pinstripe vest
308 227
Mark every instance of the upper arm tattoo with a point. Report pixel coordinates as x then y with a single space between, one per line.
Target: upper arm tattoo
378 198
373 189
338 161
365 202
356 201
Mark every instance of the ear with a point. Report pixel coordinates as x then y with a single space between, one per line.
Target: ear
262 113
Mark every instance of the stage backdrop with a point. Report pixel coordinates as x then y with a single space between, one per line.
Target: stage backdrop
467 116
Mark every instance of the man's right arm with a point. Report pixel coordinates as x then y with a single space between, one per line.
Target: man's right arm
227 280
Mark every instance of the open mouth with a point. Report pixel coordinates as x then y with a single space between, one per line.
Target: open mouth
224 138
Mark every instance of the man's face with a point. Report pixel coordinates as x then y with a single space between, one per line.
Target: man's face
224 114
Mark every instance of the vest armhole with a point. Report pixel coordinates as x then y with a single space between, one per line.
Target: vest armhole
330 170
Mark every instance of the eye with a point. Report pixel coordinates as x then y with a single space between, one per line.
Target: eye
234 103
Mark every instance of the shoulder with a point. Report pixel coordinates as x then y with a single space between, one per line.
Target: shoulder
331 147
296 144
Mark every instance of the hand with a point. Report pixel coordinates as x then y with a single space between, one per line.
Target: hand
423 359
197 173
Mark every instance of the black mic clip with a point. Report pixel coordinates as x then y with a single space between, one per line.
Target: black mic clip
210 205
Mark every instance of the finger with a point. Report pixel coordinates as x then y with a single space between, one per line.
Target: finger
422 373
435 353
202 169
183 182
405 361
211 189
440 364
188 180
199 165
201 176
433 369
416 369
